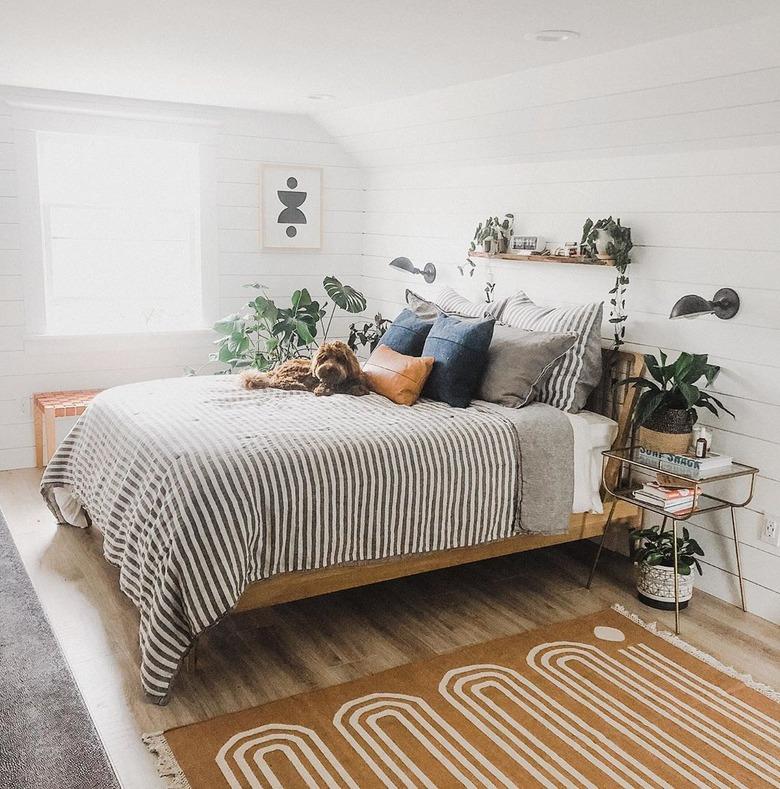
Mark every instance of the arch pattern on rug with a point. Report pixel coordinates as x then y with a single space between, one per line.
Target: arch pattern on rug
582 717
245 754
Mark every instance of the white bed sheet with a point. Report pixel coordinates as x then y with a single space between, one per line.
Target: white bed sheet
593 434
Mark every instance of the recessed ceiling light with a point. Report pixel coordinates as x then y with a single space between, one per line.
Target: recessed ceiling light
320 97
552 35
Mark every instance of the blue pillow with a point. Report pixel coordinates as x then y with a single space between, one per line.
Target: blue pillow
407 334
460 352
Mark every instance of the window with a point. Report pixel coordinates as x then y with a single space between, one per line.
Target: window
120 221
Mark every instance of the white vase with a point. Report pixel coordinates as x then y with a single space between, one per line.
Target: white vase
655 585
602 241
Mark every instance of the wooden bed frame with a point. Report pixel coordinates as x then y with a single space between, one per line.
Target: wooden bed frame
608 399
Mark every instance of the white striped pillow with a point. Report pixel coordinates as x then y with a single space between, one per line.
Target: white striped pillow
579 371
450 302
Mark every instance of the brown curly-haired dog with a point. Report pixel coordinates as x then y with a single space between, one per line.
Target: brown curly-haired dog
334 370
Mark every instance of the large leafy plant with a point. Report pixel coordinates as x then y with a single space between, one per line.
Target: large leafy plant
265 334
676 385
656 546
619 249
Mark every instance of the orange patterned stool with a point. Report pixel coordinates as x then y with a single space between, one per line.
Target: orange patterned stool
47 406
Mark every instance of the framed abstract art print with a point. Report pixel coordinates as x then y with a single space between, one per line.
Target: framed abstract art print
291 206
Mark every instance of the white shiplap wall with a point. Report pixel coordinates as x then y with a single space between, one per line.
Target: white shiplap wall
239 142
681 139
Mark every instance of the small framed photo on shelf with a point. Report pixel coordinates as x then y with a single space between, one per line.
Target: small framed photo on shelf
525 245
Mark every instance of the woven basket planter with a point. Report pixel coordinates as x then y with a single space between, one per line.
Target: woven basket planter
655 586
667 431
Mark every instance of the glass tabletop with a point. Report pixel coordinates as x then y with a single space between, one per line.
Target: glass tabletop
683 467
704 503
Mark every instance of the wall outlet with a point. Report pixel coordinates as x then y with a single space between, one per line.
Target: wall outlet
770 530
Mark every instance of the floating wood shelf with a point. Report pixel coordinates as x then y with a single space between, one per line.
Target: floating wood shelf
576 260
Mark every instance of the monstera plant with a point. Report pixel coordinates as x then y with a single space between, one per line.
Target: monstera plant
264 334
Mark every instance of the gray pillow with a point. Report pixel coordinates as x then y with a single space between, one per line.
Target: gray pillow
520 360
571 381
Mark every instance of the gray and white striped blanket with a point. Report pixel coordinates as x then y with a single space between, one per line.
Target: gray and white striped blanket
200 488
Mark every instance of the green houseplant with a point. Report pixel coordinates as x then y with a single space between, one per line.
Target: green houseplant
493 236
609 241
653 553
265 334
468 268
665 410
368 334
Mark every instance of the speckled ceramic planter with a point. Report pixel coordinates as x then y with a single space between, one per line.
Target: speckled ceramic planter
655 586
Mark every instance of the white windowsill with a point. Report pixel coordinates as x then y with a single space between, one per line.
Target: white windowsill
53 343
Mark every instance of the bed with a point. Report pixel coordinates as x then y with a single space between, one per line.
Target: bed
213 499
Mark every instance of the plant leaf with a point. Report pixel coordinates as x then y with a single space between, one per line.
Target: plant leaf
344 296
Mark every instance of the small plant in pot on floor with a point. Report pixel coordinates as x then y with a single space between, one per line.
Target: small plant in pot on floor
665 410
654 556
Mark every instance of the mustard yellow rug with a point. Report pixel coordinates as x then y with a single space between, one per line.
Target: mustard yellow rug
600 701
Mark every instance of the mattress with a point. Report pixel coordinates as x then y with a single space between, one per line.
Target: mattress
593 434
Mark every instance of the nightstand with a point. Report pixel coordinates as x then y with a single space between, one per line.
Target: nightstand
631 465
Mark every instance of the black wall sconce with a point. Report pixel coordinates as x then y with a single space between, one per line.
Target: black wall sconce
429 272
724 304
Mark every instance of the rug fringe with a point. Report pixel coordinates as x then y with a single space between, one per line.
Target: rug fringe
167 767
705 657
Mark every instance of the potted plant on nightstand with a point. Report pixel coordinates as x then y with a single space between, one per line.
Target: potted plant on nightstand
654 556
665 410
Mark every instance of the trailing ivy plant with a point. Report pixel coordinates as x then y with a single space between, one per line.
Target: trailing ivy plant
469 267
619 248
265 334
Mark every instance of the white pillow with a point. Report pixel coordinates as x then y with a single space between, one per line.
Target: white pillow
450 302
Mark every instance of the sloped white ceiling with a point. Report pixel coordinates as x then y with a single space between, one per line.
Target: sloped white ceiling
272 54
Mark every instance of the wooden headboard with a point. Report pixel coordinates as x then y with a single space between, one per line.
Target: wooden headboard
617 402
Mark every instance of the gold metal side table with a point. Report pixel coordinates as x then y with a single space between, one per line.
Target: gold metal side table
630 463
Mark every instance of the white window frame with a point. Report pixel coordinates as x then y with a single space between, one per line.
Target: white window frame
81 118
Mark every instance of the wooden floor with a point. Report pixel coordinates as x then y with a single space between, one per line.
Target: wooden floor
255 658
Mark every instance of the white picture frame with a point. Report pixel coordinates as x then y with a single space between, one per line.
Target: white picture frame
291 206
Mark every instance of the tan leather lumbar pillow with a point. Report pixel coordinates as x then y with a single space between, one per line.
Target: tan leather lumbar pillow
395 376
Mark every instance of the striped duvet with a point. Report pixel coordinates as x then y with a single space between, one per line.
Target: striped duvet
200 488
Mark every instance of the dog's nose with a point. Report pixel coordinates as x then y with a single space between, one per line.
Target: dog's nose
330 371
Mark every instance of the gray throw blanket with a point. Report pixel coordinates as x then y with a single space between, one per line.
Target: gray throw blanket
201 488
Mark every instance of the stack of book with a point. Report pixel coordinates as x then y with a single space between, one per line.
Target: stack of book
685 464
669 499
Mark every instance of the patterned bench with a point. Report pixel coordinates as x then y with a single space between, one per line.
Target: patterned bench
48 406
